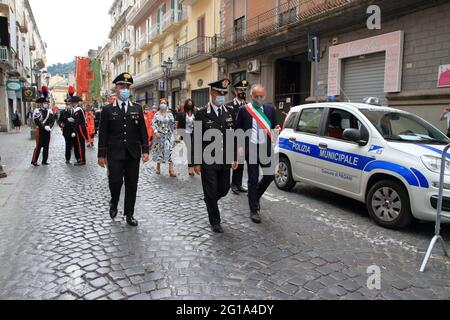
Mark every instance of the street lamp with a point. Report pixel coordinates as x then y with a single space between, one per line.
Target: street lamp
167 69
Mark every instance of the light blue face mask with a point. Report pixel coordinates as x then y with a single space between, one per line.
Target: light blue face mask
125 94
259 102
163 107
220 100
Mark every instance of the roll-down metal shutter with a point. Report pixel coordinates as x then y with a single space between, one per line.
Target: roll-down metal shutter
364 77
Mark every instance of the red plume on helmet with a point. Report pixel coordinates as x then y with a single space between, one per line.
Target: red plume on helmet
71 91
44 91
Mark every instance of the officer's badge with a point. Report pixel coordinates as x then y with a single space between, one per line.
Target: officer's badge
245 83
127 76
225 83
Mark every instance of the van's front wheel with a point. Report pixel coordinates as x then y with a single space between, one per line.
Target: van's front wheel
283 177
388 204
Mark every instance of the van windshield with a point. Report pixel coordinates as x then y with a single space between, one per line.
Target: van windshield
404 127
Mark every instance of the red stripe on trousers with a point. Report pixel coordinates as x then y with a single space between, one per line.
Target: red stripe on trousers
79 148
37 146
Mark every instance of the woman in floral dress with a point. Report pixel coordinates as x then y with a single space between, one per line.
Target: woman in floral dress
164 138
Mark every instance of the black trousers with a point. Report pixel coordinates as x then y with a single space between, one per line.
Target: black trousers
257 187
216 185
238 176
80 148
121 171
70 144
42 142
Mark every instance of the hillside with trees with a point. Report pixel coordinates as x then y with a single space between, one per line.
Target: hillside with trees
62 69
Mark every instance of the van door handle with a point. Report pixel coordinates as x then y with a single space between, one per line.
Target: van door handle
323 145
292 139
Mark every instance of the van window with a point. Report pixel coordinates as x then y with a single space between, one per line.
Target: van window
341 120
290 121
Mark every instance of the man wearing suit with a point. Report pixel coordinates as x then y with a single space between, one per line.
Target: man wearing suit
66 122
123 141
216 116
240 92
260 119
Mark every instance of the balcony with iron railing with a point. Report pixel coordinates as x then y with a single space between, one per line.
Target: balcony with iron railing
196 50
156 33
117 53
173 19
147 75
139 11
274 21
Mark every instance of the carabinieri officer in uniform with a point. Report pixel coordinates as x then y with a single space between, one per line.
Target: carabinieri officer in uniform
240 92
215 174
123 141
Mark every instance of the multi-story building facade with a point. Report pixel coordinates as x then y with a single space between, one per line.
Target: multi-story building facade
203 29
266 41
120 35
105 57
22 59
160 26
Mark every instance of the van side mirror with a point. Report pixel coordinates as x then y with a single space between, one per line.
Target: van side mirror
354 135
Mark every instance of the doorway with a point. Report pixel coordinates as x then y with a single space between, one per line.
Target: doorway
292 83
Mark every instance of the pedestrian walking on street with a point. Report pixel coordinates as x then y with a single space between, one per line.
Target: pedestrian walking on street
90 126
261 119
185 121
215 172
240 93
149 115
17 122
80 132
66 122
123 141
44 120
446 116
164 142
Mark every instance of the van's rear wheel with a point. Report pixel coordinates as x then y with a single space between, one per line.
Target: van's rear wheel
388 204
283 177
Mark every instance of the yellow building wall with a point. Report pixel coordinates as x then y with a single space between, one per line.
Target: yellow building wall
207 71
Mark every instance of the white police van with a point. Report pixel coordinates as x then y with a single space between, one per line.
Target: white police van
386 158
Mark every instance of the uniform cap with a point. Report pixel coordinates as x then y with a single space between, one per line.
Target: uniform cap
124 78
220 86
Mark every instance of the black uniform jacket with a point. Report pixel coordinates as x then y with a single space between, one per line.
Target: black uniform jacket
80 123
43 118
67 119
235 106
122 135
209 119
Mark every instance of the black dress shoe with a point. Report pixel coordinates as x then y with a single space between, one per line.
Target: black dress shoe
235 190
80 164
256 218
242 189
35 164
45 163
217 229
132 222
113 212
67 161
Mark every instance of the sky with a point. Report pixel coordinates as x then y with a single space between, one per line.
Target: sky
71 27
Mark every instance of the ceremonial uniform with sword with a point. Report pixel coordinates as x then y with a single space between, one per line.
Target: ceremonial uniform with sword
80 132
44 120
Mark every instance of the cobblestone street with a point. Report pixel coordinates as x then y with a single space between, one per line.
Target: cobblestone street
58 242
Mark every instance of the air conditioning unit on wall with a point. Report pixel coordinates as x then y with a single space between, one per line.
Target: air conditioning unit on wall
254 66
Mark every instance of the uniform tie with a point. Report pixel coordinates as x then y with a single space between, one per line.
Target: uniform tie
123 107
219 111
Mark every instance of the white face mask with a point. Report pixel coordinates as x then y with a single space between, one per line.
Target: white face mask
45 106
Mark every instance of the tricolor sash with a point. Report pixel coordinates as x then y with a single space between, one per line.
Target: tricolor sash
260 118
